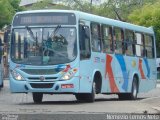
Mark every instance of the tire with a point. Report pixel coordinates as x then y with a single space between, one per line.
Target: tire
91 96
80 96
122 96
87 97
1 86
133 94
37 97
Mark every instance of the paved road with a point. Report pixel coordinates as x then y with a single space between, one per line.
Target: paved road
22 103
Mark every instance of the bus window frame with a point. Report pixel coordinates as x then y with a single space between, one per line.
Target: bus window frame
150 46
119 41
99 36
128 42
89 55
103 39
141 45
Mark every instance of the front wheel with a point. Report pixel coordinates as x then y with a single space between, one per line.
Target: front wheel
87 97
1 86
37 97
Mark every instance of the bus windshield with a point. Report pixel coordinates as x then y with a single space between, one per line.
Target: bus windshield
43 46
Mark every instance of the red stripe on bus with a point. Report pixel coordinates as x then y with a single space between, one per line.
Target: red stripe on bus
110 74
141 70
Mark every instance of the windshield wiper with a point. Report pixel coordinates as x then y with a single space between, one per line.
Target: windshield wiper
55 31
30 32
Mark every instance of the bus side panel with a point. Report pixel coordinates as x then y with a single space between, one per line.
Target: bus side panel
88 68
105 76
125 68
122 70
132 69
116 74
113 78
148 81
85 82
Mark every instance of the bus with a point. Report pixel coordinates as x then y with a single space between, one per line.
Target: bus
1 56
1 80
158 64
72 52
1 73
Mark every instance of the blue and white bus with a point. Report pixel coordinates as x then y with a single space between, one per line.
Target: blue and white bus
1 78
1 64
72 52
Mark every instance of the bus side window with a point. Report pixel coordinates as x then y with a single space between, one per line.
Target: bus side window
84 42
107 39
139 45
96 39
129 39
149 46
118 39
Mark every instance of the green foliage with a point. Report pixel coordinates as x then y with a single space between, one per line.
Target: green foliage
41 4
148 15
7 10
116 9
15 5
46 4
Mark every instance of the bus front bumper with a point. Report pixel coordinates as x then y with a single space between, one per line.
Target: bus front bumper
67 86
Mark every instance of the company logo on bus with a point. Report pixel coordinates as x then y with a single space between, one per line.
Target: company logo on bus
42 78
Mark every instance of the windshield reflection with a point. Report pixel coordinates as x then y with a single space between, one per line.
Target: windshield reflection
43 46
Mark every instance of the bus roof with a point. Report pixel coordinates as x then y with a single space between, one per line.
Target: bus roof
99 19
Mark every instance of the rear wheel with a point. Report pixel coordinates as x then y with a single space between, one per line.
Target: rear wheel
133 94
37 97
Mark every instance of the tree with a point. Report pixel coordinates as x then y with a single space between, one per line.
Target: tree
116 9
148 15
41 4
7 10
47 4
15 5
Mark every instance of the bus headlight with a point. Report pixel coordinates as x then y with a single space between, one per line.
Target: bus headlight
16 75
69 74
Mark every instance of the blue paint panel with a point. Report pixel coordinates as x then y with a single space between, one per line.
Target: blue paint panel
59 68
124 71
147 66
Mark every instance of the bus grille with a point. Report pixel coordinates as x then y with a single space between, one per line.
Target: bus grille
42 71
38 79
44 85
